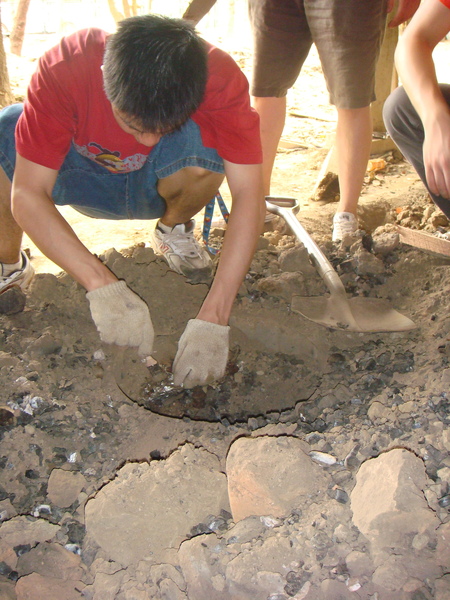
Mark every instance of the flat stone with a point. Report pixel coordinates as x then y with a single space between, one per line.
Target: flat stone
258 468
37 587
149 509
64 487
387 500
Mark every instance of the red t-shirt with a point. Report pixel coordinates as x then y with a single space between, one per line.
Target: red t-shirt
446 2
66 103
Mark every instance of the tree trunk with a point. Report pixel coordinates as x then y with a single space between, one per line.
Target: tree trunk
231 20
116 14
6 96
18 28
126 9
130 9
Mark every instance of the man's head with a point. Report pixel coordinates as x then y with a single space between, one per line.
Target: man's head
155 71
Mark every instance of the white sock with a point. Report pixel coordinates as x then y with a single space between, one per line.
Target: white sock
8 268
167 229
347 216
163 228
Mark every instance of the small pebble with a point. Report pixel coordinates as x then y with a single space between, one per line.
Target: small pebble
323 458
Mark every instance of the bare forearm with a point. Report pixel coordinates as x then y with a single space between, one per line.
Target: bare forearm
244 227
197 9
51 233
414 60
417 72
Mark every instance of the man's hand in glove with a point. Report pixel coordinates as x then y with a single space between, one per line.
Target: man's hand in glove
202 353
121 317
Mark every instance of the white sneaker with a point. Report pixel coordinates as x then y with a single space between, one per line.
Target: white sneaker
344 223
182 251
21 277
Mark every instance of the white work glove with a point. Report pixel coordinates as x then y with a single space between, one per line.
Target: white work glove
121 317
202 354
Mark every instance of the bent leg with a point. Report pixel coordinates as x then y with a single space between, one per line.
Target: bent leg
186 192
10 232
406 129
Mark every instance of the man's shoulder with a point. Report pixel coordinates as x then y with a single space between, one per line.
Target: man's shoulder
219 60
83 44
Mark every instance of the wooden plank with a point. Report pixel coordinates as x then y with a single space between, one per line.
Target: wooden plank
384 77
424 240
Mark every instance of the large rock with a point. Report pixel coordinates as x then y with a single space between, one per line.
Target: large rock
271 476
390 509
37 587
388 501
149 509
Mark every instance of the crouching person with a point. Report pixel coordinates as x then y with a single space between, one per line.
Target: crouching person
417 115
144 123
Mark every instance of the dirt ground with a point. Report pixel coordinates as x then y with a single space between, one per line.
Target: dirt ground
319 468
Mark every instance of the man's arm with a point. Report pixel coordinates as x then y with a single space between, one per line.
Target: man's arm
197 9
121 317
203 348
35 212
405 10
244 227
414 62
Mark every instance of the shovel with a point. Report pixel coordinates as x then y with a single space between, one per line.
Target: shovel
336 311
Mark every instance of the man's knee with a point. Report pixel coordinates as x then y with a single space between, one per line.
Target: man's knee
201 174
188 180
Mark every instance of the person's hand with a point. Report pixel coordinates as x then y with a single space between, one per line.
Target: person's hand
436 154
121 317
405 10
202 353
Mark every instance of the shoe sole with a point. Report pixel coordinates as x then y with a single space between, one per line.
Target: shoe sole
203 275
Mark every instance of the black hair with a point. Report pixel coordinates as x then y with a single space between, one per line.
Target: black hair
155 71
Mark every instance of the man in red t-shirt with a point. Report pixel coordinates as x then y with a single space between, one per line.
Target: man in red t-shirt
417 115
143 123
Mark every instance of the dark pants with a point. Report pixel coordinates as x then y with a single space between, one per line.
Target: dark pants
405 128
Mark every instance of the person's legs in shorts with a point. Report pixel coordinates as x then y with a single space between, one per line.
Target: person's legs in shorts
348 35
405 128
281 42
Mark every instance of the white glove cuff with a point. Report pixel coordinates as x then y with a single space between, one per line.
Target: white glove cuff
108 291
208 327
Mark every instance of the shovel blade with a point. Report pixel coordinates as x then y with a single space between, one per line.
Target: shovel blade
354 314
